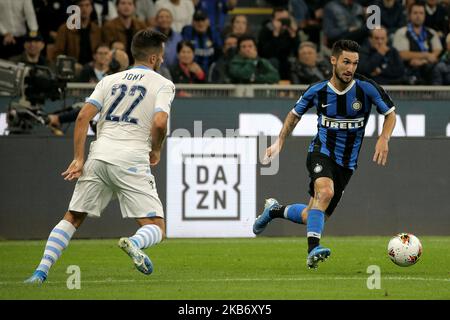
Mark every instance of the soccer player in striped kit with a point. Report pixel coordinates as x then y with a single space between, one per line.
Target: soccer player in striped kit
134 106
343 106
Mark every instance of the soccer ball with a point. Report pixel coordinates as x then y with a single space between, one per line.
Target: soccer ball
404 249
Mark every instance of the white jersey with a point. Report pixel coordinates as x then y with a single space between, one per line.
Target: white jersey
127 101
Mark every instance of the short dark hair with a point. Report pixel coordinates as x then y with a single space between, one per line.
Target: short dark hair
147 42
417 3
233 19
118 1
101 45
230 35
77 2
278 9
185 43
344 45
245 37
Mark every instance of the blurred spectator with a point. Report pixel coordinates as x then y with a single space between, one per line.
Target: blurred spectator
419 46
446 5
124 27
118 45
344 19
307 68
119 61
50 15
436 17
300 11
407 4
217 11
381 62
239 26
207 42
104 10
441 73
34 44
94 71
145 11
308 15
15 17
182 12
392 15
79 43
278 40
218 71
163 24
247 67
187 70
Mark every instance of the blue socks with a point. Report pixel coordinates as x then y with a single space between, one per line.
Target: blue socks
291 212
314 228
294 212
315 223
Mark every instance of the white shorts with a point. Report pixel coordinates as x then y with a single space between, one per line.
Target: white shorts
101 181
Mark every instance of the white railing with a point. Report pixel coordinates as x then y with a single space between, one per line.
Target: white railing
273 91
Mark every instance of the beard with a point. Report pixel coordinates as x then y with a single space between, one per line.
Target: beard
341 79
157 65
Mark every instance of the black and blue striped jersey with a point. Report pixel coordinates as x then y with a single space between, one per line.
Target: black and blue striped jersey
342 116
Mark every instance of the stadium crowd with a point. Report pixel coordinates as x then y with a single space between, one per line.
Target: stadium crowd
207 44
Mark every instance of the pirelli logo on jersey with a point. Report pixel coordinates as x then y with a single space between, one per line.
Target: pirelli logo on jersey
342 123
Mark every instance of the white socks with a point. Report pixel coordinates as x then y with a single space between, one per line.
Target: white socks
57 241
147 236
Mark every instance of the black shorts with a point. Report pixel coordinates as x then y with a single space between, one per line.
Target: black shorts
320 165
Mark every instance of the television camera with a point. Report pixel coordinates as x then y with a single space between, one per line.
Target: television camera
33 85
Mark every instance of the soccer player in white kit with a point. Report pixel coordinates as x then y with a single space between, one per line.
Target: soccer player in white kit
134 106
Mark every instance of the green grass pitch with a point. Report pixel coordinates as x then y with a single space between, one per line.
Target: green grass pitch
261 268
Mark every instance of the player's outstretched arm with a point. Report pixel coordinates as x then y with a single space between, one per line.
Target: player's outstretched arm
81 127
159 130
382 148
289 124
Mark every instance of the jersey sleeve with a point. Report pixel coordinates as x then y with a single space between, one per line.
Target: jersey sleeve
164 98
97 97
380 98
305 103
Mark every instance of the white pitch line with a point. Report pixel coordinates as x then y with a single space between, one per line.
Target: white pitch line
242 280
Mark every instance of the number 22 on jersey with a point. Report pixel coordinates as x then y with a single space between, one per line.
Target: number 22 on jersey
123 91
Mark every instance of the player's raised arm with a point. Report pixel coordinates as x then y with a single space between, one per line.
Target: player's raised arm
382 148
81 127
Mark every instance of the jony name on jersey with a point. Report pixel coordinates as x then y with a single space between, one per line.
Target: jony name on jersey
342 123
133 77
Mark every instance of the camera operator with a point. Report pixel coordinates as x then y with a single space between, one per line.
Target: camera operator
56 119
278 40
33 45
117 61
